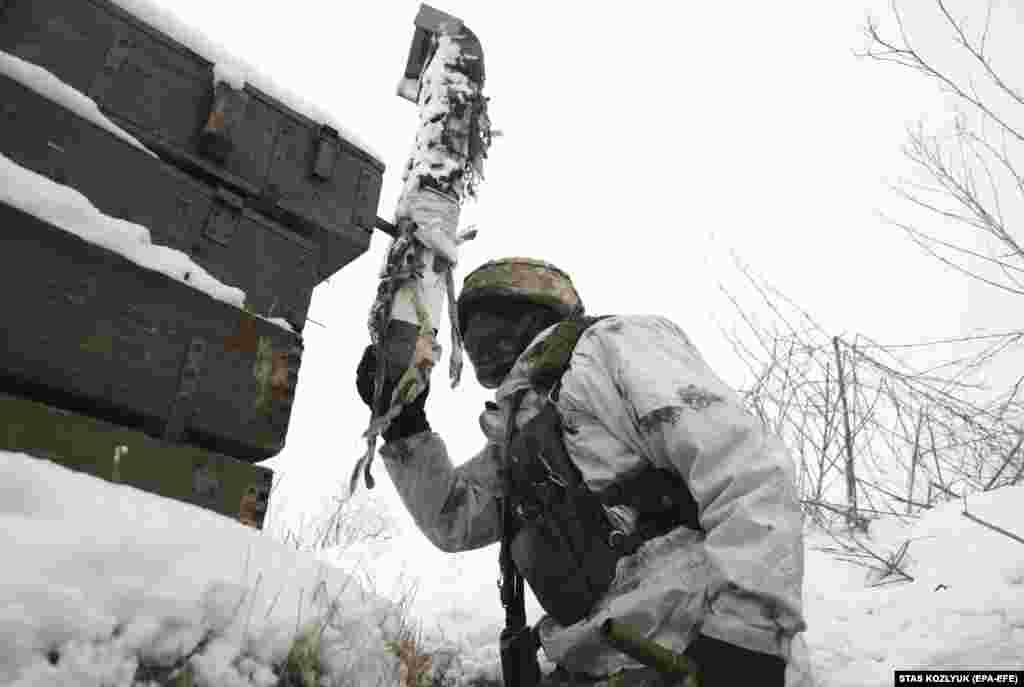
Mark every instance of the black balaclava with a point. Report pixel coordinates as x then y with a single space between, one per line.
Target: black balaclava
497 331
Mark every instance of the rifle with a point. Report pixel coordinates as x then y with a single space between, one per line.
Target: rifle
519 643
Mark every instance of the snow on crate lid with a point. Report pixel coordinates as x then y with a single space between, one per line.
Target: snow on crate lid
66 208
232 70
50 87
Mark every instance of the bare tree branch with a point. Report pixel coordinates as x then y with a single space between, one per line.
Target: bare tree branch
793 393
979 53
974 179
907 56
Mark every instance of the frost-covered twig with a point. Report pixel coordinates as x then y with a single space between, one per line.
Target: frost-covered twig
909 425
1009 456
994 528
273 604
973 174
862 555
252 603
890 563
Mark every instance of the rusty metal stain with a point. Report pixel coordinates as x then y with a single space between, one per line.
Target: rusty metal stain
280 386
245 340
252 508
216 121
273 372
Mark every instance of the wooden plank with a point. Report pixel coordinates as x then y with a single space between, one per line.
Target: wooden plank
207 479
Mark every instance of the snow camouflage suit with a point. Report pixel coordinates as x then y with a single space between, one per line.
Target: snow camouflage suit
638 393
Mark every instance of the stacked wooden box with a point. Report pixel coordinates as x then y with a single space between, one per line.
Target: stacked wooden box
258 194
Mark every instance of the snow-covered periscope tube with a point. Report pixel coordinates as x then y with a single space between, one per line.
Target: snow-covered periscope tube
417 279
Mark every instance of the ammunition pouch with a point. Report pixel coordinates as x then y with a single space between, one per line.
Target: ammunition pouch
562 541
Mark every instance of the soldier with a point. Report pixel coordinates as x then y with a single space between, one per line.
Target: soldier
697 501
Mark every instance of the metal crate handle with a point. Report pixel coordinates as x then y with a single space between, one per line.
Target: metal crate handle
325 155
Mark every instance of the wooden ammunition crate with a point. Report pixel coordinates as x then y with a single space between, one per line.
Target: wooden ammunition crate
277 268
211 480
296 170
88 330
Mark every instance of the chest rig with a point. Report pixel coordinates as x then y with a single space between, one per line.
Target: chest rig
556 531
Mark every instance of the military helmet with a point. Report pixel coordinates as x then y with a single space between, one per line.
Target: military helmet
520 279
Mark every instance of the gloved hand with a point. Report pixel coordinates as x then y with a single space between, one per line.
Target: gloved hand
721 664
412 419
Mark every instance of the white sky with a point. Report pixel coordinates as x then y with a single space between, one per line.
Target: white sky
642 142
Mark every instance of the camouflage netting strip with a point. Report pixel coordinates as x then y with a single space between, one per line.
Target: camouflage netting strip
445 167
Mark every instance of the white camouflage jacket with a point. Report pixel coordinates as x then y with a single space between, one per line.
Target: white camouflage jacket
638 391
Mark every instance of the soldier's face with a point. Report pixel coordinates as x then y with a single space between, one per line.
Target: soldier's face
493 340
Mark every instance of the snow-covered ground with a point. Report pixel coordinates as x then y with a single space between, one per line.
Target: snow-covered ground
964 608
101 576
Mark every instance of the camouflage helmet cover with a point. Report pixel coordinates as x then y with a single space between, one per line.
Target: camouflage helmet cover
520 279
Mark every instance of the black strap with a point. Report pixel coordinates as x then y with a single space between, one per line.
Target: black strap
512 592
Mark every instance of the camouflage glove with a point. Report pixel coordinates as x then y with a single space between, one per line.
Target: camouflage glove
721 664
412 419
